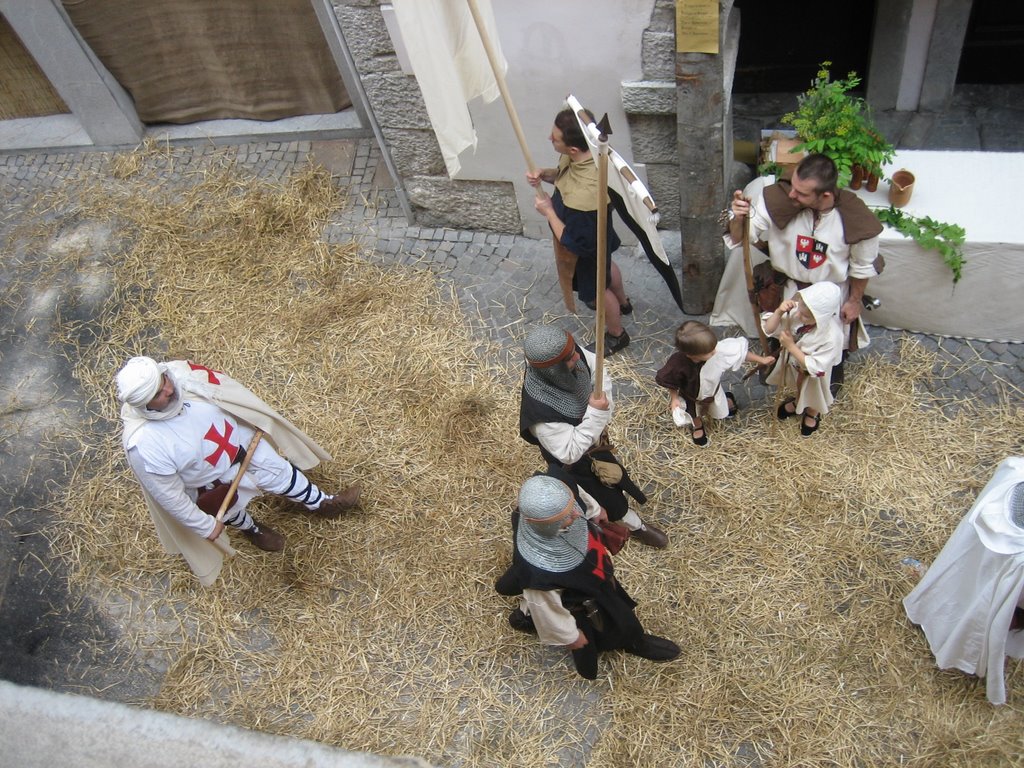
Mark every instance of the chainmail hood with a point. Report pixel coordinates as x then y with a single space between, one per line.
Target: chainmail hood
1015 503
545 503
548 380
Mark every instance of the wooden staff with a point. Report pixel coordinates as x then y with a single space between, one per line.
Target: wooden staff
748 271
499 78
565 260
602 250
241 471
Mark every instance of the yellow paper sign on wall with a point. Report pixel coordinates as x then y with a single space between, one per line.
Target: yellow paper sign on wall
697 26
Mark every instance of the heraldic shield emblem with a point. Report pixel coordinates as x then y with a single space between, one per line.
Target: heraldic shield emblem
810 253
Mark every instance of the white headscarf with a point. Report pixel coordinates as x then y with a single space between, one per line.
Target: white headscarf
822 299
138 382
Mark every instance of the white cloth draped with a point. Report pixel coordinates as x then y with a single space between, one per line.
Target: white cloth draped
966 599
451 66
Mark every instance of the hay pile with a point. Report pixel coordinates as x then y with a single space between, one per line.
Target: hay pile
381 631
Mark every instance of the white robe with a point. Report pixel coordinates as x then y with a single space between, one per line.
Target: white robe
822 346
204 557
730 354
966 599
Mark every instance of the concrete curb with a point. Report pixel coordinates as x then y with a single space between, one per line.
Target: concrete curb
39 729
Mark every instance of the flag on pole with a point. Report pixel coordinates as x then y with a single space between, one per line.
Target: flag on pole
451 66
632 202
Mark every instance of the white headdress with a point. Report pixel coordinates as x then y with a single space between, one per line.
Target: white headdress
139 381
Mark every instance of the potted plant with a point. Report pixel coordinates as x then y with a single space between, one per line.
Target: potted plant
869 153
832 122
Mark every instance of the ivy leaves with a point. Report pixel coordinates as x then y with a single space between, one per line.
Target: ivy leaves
947 239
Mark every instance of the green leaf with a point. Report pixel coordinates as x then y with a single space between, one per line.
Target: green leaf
930 234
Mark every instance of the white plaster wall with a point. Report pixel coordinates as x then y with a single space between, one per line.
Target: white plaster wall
554 48
915 60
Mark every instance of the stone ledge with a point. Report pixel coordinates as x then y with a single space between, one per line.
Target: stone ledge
441 202
41 728
649 97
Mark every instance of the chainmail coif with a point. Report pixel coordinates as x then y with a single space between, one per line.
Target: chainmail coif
541 540
1016 505
555 385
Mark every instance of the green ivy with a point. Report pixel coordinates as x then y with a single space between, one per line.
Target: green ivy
947 239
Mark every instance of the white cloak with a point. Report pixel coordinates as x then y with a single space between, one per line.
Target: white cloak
966 599
203 556
730 354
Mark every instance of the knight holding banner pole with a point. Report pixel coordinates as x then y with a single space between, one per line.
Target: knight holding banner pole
572 214
455 51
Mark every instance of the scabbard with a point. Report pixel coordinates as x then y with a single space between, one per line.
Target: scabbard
585 658
565 263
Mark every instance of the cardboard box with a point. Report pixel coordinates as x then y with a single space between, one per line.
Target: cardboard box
777 147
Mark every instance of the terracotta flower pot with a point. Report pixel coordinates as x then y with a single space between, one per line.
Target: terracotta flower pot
872 183
901 188
857 177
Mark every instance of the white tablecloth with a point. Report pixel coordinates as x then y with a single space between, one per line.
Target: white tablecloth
976 190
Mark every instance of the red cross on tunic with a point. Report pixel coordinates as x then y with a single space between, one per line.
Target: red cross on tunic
211 374
600 551
223 443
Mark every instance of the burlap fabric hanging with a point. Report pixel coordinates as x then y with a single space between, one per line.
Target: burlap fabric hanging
189 60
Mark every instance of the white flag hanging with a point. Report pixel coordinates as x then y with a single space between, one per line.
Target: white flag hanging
451 66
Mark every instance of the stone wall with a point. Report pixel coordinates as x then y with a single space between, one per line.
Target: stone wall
650 106
397 103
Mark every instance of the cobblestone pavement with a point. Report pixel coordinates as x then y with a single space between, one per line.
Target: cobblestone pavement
504 282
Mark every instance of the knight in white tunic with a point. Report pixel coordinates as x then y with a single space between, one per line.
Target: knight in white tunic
814 233
186 432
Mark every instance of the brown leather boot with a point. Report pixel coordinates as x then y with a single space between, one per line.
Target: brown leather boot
264 538
650 535
334 506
